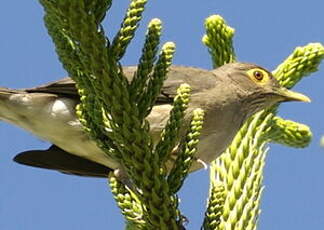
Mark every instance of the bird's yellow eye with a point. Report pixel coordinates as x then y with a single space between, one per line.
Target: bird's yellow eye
258 75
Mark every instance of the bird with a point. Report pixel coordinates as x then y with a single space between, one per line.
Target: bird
229 95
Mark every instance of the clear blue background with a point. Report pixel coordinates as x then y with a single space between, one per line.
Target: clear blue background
266 33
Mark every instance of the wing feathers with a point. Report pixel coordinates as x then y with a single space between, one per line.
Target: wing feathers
57 159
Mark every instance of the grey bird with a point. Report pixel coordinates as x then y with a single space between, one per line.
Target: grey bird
228 95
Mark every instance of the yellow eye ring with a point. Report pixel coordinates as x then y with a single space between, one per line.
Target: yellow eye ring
258 75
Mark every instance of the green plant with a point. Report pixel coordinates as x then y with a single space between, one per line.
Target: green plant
113 111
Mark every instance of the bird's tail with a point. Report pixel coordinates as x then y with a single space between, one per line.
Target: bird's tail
9 91
8 108
6 92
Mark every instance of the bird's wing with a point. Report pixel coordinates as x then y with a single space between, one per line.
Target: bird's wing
58 159
198 79
65 87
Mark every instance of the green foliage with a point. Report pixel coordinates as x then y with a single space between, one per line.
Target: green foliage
127 201
215 207
218 39
155 81
113 111
289 133
239 170
128 28
170 133
187 150
146 62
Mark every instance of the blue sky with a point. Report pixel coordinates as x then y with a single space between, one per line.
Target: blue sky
266 33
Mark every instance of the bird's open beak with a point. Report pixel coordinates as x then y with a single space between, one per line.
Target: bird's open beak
288 95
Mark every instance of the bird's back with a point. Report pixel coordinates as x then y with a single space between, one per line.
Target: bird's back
198 79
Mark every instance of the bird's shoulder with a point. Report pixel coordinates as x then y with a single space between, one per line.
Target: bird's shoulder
198 79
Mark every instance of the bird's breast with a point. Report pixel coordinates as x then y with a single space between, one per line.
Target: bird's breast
219 128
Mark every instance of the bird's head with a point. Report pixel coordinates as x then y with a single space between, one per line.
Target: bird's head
257 86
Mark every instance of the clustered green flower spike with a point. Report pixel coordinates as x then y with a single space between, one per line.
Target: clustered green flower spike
113 108
99 8
240 168
214 208
147 98
302 62
113 111
186 152
147 59
170 133
128 28
128 203
68 51
218 39
289 133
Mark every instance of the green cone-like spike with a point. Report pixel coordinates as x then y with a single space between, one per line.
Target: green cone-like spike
170 134
128 28
113 112
215 207
147 59
107 110
240 168
155 83
130 206
218 39
289 133
186 152
302 62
